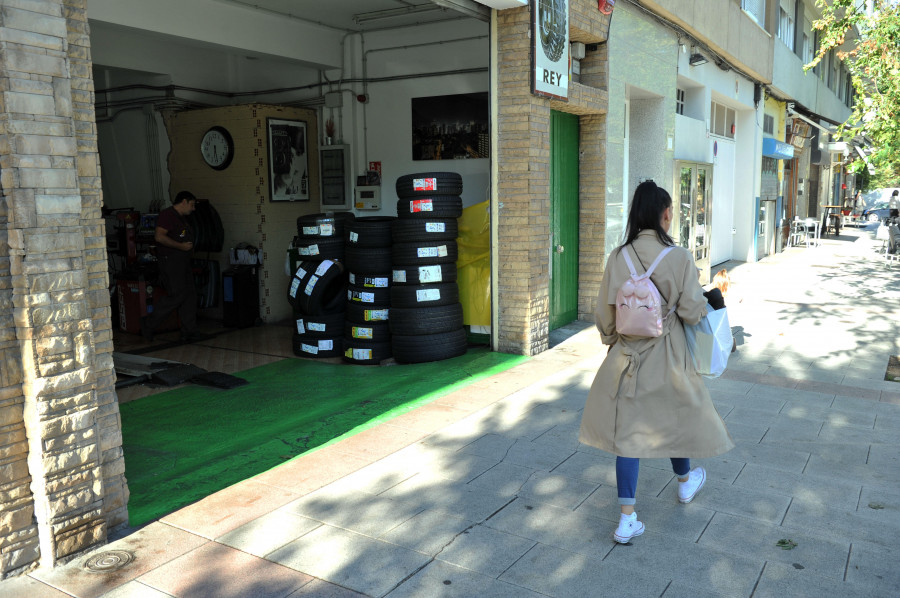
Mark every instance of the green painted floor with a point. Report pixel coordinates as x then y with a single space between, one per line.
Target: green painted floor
188 443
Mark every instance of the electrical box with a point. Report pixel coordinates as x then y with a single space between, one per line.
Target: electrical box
368 197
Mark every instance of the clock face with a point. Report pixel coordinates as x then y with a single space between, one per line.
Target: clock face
217 148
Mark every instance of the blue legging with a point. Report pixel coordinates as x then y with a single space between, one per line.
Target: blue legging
627 475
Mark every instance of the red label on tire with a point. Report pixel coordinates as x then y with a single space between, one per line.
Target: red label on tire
421 205
425 184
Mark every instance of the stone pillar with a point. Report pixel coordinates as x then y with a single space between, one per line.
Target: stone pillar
57 375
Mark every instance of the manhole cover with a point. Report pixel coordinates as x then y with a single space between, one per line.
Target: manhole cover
893 369
106 562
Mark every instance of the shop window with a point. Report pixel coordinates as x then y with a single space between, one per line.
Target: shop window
722 120
679 101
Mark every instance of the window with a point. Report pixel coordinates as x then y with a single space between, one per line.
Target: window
679 101
722 120
786 23
756 9
768 124
806 46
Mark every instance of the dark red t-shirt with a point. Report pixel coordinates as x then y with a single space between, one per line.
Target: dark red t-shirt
177 229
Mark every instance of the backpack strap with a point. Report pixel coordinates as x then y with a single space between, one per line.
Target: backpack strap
658 259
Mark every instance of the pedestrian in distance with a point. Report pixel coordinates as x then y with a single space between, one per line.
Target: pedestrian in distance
647 399
175 248
894 204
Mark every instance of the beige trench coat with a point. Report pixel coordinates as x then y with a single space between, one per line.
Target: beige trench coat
647 399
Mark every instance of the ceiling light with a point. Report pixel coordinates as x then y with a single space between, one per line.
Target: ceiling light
697 59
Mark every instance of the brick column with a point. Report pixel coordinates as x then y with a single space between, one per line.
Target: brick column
57 375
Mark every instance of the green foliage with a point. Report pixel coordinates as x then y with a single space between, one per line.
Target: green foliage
873 60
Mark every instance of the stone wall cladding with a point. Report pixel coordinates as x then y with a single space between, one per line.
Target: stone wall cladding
62 482
524 178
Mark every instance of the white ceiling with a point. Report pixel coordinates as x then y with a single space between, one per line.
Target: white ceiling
340 14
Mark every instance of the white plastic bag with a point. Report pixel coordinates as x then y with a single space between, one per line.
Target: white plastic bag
883 233
710 342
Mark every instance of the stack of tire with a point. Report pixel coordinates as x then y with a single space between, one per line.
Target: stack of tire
367 336
318 286
426 315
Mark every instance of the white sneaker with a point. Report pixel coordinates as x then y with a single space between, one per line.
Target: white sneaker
687 490
629 527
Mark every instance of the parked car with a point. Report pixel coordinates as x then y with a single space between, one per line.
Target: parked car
877 212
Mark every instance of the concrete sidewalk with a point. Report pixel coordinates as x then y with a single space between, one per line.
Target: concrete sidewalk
487 492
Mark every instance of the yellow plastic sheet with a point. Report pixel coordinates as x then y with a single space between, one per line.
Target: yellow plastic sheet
474 265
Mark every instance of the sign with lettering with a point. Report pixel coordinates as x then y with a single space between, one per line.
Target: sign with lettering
550 49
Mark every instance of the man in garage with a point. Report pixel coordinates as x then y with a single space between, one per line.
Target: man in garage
174 248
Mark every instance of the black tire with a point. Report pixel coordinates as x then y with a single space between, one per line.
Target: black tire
366 352
424 274
319 249
362 314
404 230
369 281
368 260
316 226
432 206
429 183
422 253
424 295
370 231
429 347
369 296
323 326
369 331
317 348
323 289
416 321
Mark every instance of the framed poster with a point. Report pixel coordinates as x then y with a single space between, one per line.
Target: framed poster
453 127
550 49
288 160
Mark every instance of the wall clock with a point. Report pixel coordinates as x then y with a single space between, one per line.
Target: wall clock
217 148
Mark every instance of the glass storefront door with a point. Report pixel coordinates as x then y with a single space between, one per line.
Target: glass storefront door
693 213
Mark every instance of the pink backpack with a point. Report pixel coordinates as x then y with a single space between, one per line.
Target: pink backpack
638 302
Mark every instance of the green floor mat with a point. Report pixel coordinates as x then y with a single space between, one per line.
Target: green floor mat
188 443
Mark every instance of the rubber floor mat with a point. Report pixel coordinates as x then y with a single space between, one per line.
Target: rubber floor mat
187 443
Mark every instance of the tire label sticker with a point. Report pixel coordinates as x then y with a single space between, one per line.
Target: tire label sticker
301 273
428 252
326 344
360 332
309 250
378 283
423 295
326 230
442 251
311 284
399 275
362 354
352 278
425 184
310 230
309 348
300 328
317 326
354 237
294 284
323 267
430 274
421 205
435 227
372 315
361 297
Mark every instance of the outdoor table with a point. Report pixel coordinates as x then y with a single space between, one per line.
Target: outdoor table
835 218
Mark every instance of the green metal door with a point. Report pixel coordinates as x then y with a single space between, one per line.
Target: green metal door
563 219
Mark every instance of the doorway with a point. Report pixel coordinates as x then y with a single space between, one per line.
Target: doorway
693 213
564 134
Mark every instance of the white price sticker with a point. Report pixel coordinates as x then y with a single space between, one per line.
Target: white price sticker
362 354
435 227
310 230
423 295
427 252
311 285
354 237
430 274
300 328
373 315
294 284
317 326
326 229
323 267
309 348
399 275
326 345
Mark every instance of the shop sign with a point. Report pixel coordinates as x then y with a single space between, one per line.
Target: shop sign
772 148
550 48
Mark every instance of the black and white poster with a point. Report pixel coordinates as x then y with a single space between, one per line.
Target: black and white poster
550 53
288 160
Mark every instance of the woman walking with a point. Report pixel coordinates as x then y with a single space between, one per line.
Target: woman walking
647 400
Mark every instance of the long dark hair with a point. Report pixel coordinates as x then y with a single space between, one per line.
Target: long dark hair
647 207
